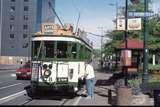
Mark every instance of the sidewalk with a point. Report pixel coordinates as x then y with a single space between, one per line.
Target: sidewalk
103 84
100 92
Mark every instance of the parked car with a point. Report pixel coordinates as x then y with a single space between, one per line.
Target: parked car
24 72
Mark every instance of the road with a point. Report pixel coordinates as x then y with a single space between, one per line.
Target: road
17 92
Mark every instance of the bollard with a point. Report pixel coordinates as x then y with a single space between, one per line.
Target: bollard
110 96
124 95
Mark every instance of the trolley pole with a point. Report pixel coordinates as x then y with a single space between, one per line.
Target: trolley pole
145 58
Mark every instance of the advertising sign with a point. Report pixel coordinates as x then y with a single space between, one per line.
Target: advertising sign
134 24
120 24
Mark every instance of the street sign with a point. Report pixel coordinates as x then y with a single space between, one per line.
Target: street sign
140 14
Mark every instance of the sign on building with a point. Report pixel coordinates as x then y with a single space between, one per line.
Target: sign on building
133 24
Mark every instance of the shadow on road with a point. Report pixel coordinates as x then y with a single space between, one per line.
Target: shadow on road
49 94
111 80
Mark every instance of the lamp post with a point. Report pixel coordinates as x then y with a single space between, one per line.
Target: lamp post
145 58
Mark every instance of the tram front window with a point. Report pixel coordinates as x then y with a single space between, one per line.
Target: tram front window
37 53
49 49
61 49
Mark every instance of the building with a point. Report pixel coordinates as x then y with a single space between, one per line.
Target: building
19 19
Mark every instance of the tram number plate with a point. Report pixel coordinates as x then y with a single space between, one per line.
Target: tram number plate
62 79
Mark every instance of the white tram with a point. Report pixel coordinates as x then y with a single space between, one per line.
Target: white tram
58 58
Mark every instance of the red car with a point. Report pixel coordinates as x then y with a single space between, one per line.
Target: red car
24 72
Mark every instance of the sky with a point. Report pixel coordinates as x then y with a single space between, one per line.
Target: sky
96 16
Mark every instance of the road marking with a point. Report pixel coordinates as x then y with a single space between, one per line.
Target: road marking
10 85
78 99
11 97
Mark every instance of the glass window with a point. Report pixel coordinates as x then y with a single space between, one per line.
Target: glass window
49 49
25 45
36 49
74 51
12 36
61 49
12 0
26 8
26 0
25 17
12 17
25 27
11 27
12 8
25 35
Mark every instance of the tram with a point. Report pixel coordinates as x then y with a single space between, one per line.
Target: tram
58 58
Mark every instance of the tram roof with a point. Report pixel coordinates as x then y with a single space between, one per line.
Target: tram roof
56 31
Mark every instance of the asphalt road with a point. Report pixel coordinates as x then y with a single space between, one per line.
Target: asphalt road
17 92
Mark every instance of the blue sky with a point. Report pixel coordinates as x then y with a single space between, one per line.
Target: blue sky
94 14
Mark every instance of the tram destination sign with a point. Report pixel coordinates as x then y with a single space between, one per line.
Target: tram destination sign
140 14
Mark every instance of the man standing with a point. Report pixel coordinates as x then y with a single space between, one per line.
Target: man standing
90 77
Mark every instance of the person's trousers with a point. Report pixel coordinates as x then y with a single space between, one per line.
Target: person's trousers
90 87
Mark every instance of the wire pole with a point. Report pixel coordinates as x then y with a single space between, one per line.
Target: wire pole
126 37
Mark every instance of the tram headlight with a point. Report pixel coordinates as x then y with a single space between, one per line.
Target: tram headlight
47 73
45 66
50 66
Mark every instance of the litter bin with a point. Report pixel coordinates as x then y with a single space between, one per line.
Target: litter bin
156 97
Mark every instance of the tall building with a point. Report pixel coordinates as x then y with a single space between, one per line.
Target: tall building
19 19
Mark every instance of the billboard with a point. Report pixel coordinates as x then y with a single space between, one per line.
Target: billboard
120 24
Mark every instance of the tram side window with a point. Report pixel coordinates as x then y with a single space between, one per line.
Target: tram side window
49 49
61 49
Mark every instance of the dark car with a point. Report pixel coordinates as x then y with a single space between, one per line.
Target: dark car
24 72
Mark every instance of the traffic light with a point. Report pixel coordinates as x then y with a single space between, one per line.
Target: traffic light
135 1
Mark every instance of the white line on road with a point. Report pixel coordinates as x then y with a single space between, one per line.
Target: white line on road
78 99
10 86
11 97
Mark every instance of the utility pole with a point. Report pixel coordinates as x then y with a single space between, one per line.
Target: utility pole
145 58
126 38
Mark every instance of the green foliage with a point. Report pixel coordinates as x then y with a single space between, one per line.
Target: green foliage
154 67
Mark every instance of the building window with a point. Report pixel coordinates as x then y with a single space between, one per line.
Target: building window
25 17
25 35
25 27
11 36
26 0
11 27
25 45
26 8
13 0
12 17
12 8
